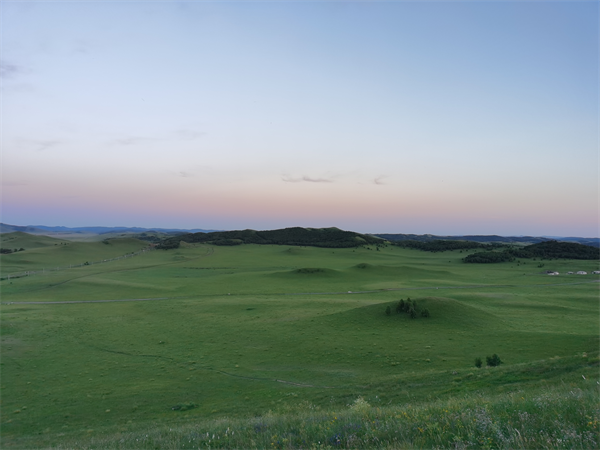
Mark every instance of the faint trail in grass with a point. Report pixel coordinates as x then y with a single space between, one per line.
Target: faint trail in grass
210 252
215 370
90 301
130 354
14 360
377 291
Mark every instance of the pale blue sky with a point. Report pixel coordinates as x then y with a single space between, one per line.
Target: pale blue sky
406 117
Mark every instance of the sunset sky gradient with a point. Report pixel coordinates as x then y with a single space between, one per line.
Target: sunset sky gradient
382 117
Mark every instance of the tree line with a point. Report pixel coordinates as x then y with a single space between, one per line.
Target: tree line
441 245
297 236
8 250
543 250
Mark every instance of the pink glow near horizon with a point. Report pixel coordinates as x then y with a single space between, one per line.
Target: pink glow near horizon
358 212
389 117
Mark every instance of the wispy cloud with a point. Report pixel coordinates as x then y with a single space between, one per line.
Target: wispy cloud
379 180
289 179
178 135
45 145
8 70
183 174
132 140
38 144
188 135
81 47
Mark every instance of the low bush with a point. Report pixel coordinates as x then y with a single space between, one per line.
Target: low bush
493 361
411 308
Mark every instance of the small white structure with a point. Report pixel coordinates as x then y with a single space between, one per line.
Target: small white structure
553 273
581 272
596 272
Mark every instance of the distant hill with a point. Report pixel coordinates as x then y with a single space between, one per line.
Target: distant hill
543 250
19 240
488 239
157 234
148 234
5 228
105 230
555 249
314 237
443 245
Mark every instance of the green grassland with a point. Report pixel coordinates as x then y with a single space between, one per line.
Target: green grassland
44 252
230 335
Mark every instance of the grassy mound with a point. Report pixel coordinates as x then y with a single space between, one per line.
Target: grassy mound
53 253
446 314
310 271
18 239
297 251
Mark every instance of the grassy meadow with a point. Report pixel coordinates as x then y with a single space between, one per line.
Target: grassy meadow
276 341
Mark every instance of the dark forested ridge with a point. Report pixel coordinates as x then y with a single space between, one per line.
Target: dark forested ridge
543 250
489 257
314 237
555 249
440 245
488 239
472 238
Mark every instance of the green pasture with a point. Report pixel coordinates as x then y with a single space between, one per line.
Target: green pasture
244 330
44 252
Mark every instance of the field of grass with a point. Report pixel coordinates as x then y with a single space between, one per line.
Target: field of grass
51 254
238 336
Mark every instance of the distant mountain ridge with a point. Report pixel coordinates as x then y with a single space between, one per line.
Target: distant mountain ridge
44 230
41 229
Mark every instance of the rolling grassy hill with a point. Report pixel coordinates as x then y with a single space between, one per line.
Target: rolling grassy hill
315 237
44 252
281 339
19 239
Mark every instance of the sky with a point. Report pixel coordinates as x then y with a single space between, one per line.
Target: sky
379 117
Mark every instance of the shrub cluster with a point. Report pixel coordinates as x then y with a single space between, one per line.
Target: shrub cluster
8 250
409 307
491 361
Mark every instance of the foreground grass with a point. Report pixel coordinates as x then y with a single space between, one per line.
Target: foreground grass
565 417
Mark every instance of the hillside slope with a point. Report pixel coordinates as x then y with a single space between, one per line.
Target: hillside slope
314 237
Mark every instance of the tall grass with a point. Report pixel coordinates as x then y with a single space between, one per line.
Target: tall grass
566 417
